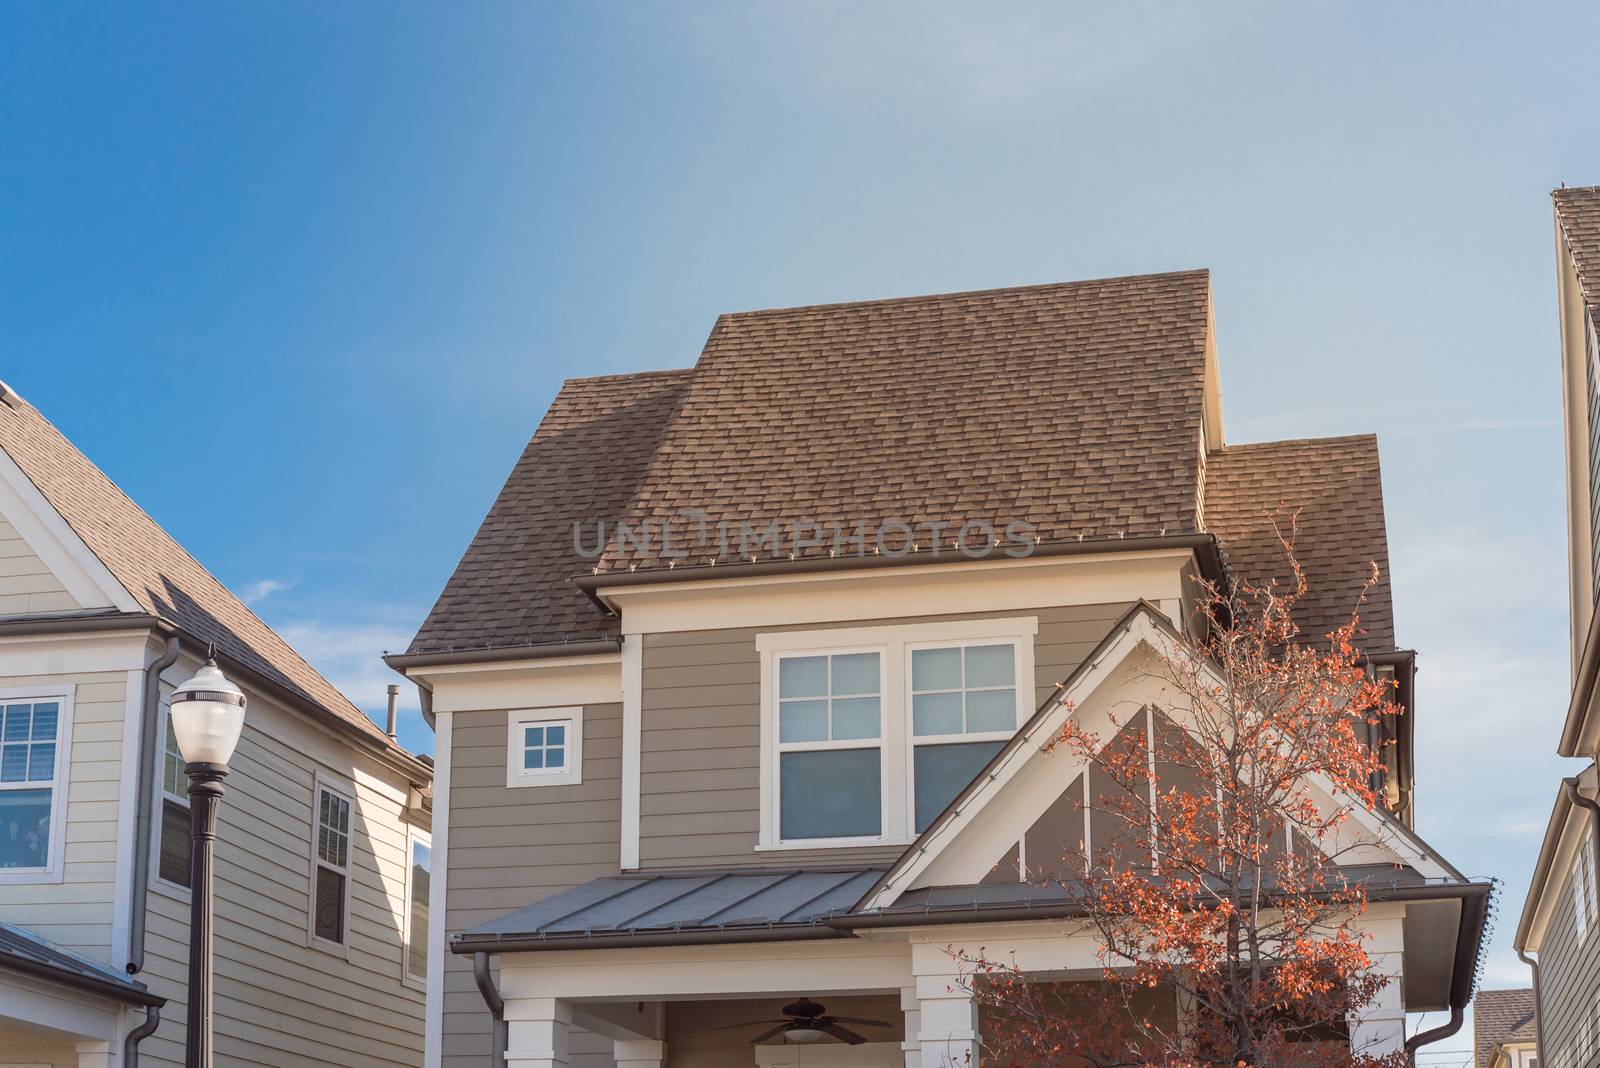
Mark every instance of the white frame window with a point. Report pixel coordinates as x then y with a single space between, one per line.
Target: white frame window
894 644
544 747
830 701
333 812
1582 882
416 838
171 793
973 696
54 756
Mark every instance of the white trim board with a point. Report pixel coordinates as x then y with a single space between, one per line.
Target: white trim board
433 1006
632 747
81 573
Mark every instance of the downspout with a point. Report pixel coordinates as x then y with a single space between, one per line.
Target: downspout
130 1045
497 1006
143 803
1435 1034
1538 1013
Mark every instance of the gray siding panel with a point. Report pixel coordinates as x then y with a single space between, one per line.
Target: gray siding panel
700 751
1569 973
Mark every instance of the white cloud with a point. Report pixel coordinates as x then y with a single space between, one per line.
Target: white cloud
256 592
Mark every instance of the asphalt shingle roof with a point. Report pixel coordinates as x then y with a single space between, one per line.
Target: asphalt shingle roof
1578 213
156 571
1500 1016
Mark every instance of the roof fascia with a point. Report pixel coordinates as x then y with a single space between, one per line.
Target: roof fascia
1538 904
55 541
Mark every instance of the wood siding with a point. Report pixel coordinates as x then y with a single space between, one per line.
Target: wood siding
511 847
1569 977
76 912
700 802
279 1000
27 586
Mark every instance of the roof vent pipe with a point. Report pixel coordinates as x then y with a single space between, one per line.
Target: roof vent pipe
393 724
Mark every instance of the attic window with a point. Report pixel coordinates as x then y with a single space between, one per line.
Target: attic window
544 747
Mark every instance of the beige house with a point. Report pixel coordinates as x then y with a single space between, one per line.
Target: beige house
740 689
1557 931
323 850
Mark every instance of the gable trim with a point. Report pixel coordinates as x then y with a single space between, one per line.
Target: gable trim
81 573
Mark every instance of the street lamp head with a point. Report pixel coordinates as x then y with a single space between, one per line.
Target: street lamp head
207 715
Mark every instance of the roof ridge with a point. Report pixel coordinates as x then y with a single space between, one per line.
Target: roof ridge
1204 272
1332 438
628 376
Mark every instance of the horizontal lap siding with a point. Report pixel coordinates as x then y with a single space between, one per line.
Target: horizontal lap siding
511 847
76 912
700 751
278 1000
1569 979
27 586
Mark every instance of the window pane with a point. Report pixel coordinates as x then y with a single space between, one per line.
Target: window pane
992 710
555 758
421 874
855 673
830 794
991 665
533 736
17 719
803 676
42 765
13 763
555 735
45 717
175 843
532 759
855 717
25 828
172 773
935 713
936 669
802 721
330 905
942 771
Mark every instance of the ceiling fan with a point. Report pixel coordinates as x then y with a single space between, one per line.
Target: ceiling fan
807 1021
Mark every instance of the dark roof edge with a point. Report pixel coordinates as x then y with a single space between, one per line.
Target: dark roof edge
544 650
81 623
128 993
467 944
1203 544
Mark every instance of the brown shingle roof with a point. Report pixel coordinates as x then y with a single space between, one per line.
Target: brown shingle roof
1335 485
1500 1016
1578 212
159 574
513 586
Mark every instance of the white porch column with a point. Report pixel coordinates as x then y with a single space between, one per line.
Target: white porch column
94 1054
639 1053
1381 1027
912 1009
947 1024
538 1032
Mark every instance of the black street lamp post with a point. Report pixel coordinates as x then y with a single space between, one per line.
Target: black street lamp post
207 715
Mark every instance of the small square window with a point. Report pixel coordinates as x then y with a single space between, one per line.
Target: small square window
545 748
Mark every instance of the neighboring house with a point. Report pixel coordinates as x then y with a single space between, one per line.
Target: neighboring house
1557 933
318 948
1503 1032
687 780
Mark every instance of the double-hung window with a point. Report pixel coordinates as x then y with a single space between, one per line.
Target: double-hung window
34 735
868 733
331 867
1583 887
963 709
830 746
418 881
173 861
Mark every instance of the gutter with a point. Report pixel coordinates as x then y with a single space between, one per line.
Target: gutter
81 624
544 650
124 993
144 802
1587 668
1538 1013
497 1007
717 936
1464 975
1204 546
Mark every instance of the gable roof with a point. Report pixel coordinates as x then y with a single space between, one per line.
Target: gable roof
162 578
1578 216
1077 407
1498 1017
1335 485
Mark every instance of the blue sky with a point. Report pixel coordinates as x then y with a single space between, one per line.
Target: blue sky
334 260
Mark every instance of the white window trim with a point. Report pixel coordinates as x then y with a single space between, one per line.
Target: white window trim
414 836
572 774
176 890
346 793
893 643
56 870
